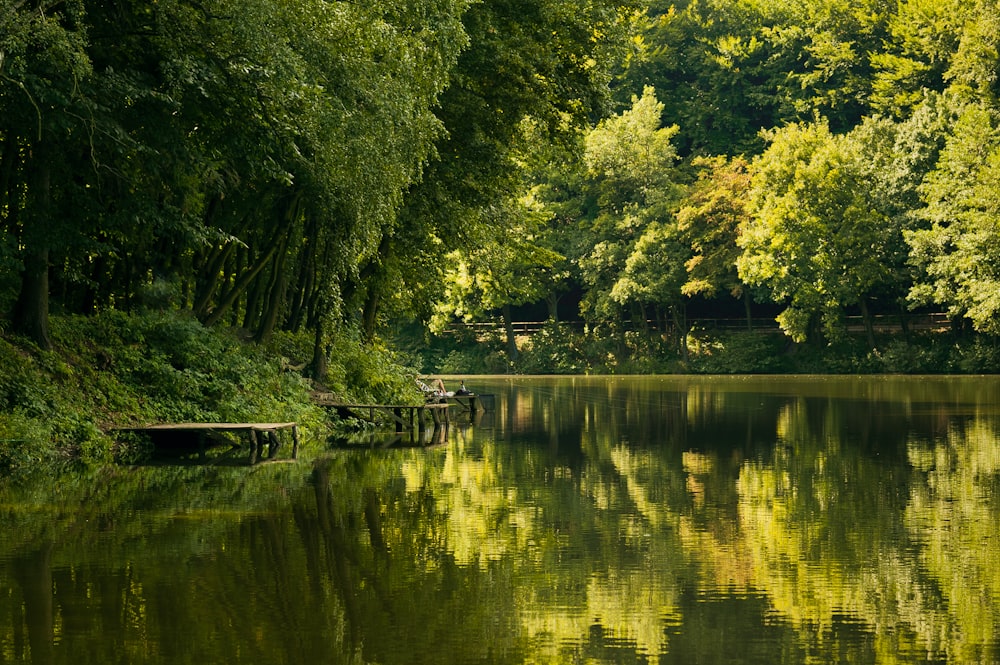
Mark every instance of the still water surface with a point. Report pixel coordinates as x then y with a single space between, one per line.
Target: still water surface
580 520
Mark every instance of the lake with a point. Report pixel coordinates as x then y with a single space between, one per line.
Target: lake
579 520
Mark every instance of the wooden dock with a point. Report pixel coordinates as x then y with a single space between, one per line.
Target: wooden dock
403 415
201 436
471 402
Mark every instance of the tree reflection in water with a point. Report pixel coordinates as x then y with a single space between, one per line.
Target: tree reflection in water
599 520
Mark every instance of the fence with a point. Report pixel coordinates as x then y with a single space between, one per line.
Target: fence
882 323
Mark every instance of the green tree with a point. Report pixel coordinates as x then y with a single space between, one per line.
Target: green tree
710 217
924 36
632 180
654 275
512 269
957 253
546 62
714 70
45 104
814 239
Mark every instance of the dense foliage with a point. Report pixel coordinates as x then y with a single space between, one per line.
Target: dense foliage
333 169
817 161
291 166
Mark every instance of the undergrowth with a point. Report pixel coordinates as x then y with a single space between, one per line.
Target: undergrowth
111 370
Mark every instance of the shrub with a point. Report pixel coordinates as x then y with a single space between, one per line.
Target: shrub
739 353
555 349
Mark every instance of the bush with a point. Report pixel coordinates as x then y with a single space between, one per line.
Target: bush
980 355
25 442
739 353
555 349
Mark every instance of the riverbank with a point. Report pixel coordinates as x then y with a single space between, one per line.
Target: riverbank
559 348
112 370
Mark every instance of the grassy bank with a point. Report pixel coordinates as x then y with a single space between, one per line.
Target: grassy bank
59 407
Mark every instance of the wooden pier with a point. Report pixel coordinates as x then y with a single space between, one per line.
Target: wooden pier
471 402
198 437
403 415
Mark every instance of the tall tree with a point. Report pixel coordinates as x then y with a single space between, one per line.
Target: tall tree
513 269
815 239
631 178
546 62
710 217
46 122
958 253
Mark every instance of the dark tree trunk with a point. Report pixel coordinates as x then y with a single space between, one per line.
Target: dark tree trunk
31 310
211 279
8 161
318 366
552 301
369 314
679 313
747 307
508 326
866 317
306 279
276 294
242 284
372 279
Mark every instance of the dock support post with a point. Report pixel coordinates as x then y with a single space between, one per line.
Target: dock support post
254 446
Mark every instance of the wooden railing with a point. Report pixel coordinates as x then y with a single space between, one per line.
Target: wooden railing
881 323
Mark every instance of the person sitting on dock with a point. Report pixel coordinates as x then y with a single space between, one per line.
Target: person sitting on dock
435 392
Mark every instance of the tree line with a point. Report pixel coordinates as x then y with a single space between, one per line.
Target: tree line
821 158
315 166
300 165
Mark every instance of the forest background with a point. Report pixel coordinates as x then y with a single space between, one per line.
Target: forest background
191 191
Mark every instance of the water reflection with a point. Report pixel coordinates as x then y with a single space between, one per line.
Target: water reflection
600 520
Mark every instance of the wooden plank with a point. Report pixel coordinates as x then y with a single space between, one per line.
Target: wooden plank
257 433
430 405
196 427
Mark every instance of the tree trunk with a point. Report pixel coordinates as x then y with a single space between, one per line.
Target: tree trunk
306 279
508 325
866 317
276 293
8 160
552 301
241 284
213 277
31 310
252 306
369 314
372 278
318 366
679 312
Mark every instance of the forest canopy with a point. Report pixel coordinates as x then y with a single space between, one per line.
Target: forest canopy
319 166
